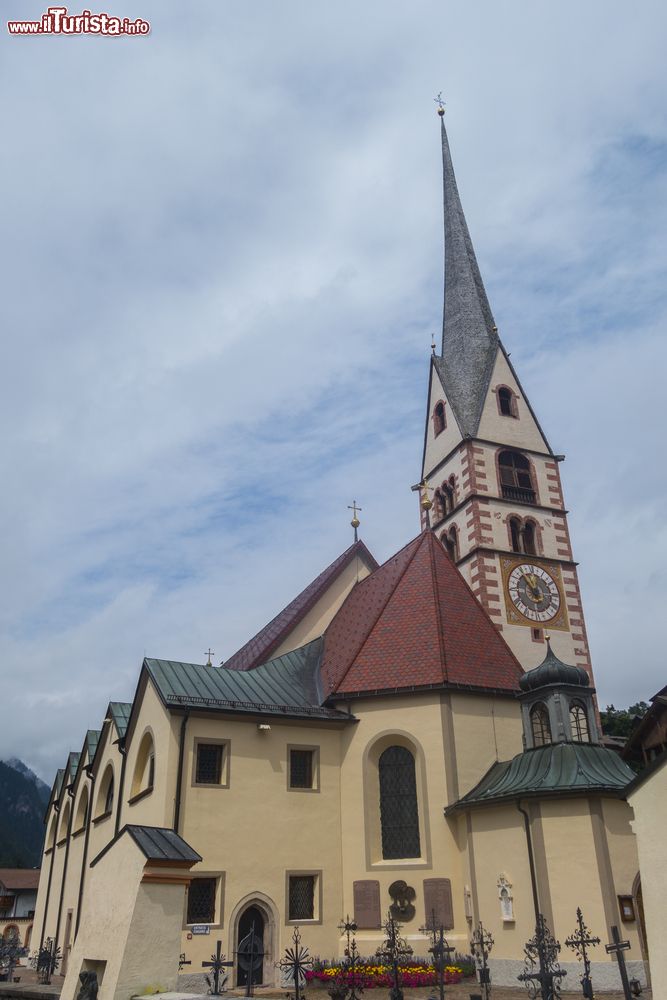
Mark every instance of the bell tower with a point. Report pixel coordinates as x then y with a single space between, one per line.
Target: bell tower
495 485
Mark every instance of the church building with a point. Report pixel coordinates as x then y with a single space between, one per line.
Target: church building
420 734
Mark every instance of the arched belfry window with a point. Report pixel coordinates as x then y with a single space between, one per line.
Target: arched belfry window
506 402
439 418
450 540
540 725
399 815
515 479
579 723
515 534
529 538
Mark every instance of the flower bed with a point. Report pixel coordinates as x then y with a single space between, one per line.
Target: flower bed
371 976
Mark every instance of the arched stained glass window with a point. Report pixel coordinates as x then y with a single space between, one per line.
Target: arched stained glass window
539 721
579 723
399 815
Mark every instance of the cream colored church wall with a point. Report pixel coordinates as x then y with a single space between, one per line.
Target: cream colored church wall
486 729
517 432
499 848
316 621
257 830
649 805
385 722
156 807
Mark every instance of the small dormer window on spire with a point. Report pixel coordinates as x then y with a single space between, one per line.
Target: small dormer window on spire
439 418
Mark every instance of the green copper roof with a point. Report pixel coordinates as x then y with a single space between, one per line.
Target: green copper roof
287 685
556 769
72 765
120 714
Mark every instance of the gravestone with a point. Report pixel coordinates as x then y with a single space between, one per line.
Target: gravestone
367 910
438 898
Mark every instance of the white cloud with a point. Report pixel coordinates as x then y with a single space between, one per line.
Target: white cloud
221 270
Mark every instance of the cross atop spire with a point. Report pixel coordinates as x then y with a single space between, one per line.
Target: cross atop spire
469 333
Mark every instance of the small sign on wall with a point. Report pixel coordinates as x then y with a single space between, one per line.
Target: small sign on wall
201 928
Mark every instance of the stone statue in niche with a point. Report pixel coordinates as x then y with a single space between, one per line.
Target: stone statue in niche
402 895
506 899
89 987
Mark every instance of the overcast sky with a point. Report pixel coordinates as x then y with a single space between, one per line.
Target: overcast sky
221 269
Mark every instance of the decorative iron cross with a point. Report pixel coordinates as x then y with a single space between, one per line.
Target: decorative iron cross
217 964
250 953
440 950
578 942
182 960
350 978
295 963
616 948
542 973
481 944
441 104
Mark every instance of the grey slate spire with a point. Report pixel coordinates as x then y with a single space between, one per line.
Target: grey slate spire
469 337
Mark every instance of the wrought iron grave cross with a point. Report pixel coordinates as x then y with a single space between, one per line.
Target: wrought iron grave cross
542 973
579 942
217 964
352 982
481 944
616 948
250 954
393 950
295 963
440 949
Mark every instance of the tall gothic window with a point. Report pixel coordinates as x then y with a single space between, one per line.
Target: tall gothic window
515 534
515 479
540 725
579 723
450 540
399 815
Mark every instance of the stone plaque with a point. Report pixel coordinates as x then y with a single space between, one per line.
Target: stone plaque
367 912
438 897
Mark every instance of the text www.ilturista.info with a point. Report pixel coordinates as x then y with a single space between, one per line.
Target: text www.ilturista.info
56 21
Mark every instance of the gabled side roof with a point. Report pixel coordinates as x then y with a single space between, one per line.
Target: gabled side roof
286 686
414 622
258 649
156 844
120 715
19 879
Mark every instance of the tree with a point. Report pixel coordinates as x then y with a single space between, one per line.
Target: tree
622 721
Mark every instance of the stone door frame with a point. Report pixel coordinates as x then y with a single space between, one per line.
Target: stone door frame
269 911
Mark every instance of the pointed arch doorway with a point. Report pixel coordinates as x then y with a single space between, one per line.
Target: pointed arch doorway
251 922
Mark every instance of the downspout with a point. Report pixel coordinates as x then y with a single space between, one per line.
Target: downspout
531 859
121 784
84 859
48 884
70 792
179 776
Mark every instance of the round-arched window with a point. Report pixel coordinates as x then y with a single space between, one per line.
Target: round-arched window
540 725
399 814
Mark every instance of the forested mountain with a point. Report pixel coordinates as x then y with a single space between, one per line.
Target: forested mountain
23 800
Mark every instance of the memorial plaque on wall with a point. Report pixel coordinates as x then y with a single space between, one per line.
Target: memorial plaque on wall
367 912
438 898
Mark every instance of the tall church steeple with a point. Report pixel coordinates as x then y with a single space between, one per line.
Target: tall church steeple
497 504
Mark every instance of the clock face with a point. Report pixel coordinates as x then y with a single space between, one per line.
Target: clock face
533 592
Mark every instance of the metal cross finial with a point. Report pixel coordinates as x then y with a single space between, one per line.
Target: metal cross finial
432 343
355 522
441 104
209 654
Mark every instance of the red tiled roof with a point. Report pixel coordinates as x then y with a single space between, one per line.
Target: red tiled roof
19 878
258 649
415 622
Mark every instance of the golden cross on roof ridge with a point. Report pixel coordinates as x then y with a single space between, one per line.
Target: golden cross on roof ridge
355 520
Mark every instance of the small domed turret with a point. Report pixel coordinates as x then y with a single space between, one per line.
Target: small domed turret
553 671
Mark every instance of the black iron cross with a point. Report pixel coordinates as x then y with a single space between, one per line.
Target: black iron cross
295 962
481 944
250 953
617 948
578 942
350 978
182 960
440 950
541 963
217 964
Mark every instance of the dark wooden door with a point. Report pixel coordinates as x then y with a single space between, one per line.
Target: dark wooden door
252 919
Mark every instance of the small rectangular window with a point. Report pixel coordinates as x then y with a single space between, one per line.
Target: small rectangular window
301 769
301 897
201 901
209 763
